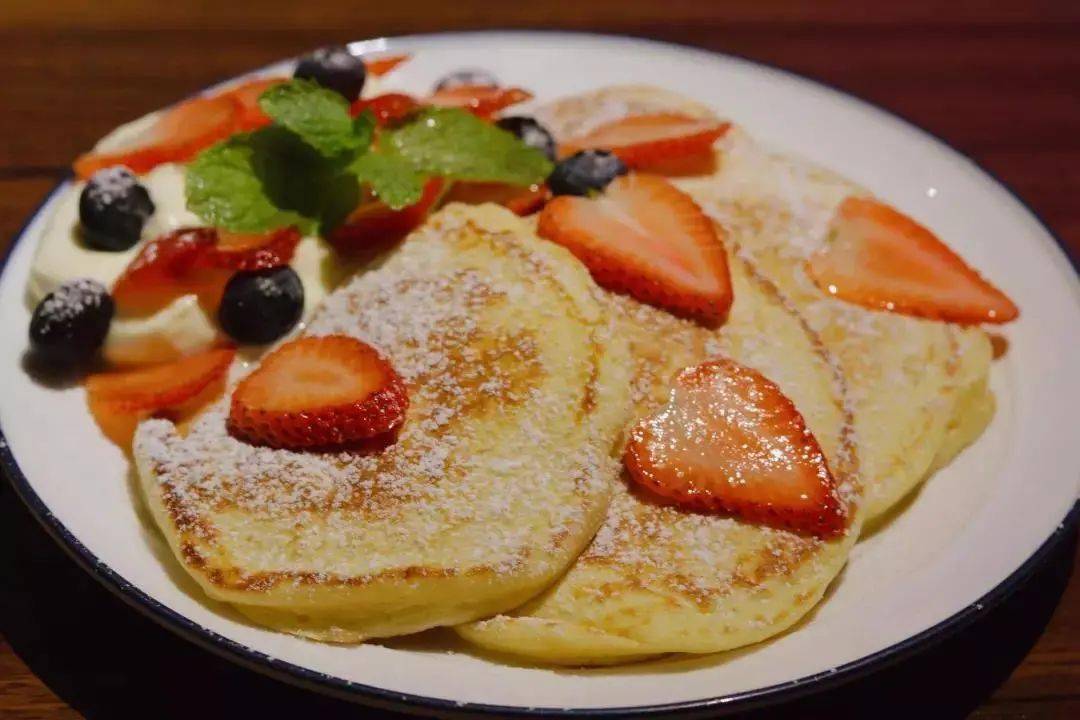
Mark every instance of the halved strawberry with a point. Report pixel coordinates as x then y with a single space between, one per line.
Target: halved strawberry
176 137
519 200
882 259
119 400
388 108
196 261
165 269
318 392
253 251
645 237
730 441
646 141
382 65
249 116
374 227
481 100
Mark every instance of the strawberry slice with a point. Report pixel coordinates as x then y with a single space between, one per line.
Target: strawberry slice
175 137
374 227
119 400
646 141
516 198
382 65
196 261
730 441
318 392
388 108
249 116
481 100
880 258
252 251
645 237
165 269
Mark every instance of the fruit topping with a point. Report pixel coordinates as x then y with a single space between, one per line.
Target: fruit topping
382 65
181 132
645 237
730 441
643 141
335 68
530 132
516 198
318 392
481 100
374 226
468 77
70 323
113 207
197 261
119 400
260 306
246 96
388 109
585 172
880 258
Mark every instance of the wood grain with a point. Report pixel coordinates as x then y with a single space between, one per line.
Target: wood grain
997 80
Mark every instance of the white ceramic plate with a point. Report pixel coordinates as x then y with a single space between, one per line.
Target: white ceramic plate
963 541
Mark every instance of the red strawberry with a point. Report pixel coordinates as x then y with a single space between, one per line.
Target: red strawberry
373 226
882 259
481 100
382 65
518 199
176 137
645 237
388 108
643 141
246 96
119 400
253 251
318 392
198 261
730 441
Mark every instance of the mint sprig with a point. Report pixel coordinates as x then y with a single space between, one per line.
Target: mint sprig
307 168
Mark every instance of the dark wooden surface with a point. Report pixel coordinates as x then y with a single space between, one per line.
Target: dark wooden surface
1000 81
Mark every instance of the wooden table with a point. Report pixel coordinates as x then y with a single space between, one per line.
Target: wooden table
997 80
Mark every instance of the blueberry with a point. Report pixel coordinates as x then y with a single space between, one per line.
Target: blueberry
70 324
480 78
113 208
530 132
585 172
335 68
261 305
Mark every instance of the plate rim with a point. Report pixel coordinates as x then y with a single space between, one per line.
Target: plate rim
412 703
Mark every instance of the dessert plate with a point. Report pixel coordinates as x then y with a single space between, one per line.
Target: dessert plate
961 543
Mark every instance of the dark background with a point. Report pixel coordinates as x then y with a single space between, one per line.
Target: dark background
1000 81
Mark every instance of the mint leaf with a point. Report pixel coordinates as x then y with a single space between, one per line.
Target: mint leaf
391 177
320 117
457 144
224 189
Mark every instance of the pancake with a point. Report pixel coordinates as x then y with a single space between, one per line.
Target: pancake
657 579
500 477
916 388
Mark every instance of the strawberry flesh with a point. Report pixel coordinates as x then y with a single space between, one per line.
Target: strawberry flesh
388 109
651 141
382 65
730 441
249 116
518 199
879 258
318 392
645 237
119 400
374 227
481 100
176 137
